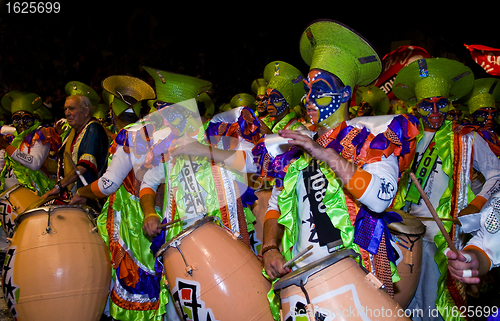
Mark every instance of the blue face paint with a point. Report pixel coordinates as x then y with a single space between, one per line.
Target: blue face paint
322 93
278 101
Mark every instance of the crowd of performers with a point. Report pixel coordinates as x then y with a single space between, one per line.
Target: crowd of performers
325 152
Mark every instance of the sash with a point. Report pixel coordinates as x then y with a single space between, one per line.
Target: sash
424 169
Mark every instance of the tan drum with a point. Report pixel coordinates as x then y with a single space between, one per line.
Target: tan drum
335 287
259 211
407 235
57 266
214 276
13 202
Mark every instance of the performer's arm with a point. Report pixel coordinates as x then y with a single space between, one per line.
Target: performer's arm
273 233
32 160
152 179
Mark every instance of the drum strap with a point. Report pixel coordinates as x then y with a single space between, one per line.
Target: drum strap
426 165
316 184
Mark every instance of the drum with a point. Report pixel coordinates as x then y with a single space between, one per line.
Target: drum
214 276
57 267
407 243
259 211
12 203
335 287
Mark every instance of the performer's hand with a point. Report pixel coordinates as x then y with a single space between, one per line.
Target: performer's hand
78 200
470 209
190 146
460 269
273 264
151 225
306 143
53 191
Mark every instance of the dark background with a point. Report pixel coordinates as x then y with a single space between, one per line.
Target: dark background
90 40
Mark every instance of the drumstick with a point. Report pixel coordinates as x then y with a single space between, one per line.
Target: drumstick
82 179
433 213
296 257
161 226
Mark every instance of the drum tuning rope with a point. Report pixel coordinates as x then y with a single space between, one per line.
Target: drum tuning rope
309 306
189 269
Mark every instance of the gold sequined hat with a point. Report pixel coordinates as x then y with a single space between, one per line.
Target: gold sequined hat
128 92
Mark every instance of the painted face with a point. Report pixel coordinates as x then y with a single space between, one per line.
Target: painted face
322 98
365 109
22 120
261 103
433 111
276 103
484 117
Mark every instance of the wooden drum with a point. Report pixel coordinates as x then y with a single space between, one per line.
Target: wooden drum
407 243
57 266
214 276
335 287
13 202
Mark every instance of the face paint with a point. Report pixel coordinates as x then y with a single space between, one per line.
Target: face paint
177 116
433 111
261 103
484 117
322 98
276 103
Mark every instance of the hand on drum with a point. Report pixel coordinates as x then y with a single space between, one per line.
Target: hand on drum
273 264
150 226
464 267
77 199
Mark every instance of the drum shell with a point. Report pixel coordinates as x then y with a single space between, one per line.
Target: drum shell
62 274
404 290
343 289
228 272
19 198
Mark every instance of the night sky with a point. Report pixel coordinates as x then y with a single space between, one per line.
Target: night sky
90 40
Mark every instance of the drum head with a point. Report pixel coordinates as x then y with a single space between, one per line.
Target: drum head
410 225
184 233
302 274
51 208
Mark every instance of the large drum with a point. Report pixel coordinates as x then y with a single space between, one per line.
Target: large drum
407 244
335 287
214 276
57 266
12 203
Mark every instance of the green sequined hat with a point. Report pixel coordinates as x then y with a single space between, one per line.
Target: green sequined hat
243 99
79 88
336 48
486 93
375 96
175 88
286 79
433 77
44 113
205 98
122 88
259 86
101 111
17 100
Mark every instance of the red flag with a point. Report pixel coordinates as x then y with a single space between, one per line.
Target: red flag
486 57
394 62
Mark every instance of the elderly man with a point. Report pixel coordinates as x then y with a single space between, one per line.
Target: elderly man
86 144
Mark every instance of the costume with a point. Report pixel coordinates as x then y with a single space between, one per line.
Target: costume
28 150
313 206
197 186
135 285
87 148
444 172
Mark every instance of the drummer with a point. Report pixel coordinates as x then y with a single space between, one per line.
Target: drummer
200 179
443 163
120 222
86 143
23 154
342 152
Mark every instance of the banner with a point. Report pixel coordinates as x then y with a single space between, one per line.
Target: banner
394 62
486 57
